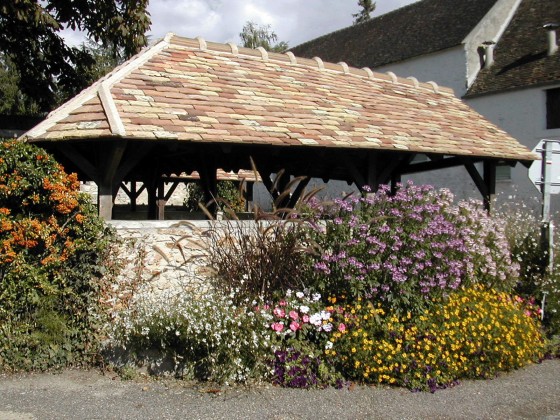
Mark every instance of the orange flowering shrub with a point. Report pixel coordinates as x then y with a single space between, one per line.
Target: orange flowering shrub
51 251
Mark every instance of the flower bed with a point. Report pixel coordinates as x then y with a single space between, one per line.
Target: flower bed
407 289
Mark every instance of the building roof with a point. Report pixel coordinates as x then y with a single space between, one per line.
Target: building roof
520 55
191 91
420 28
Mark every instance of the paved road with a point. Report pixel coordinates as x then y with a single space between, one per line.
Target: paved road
531 393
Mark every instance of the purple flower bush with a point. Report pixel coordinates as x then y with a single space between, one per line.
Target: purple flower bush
404 249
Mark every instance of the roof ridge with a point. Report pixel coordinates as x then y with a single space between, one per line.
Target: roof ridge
315 62
104 83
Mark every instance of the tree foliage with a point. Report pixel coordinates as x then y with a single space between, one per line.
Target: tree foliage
30 36
12 100
254 36
364 15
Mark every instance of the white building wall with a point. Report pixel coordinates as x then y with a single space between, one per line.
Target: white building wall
446 68
490 28
522 113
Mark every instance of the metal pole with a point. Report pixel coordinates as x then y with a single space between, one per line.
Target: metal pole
545 177
547 227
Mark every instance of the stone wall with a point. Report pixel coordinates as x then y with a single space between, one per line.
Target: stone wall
160 256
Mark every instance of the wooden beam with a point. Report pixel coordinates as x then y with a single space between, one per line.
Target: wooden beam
296 195
209 183
111 161
80 160
281 186
439 164
394 164
477 178
356 175
171 190
135 155
372 172
267 182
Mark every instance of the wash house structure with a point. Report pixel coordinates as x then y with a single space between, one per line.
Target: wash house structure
185 105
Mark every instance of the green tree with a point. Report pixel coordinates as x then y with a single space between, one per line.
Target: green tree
30 35
364 15
105 59
12 100
254 36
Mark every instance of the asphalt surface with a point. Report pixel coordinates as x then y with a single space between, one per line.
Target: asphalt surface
529 393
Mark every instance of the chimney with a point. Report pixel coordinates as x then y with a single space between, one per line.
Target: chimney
551 33
488 53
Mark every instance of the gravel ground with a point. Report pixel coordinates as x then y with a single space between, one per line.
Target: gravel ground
531 393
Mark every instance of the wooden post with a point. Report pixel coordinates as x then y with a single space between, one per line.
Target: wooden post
105 200
249 194
160 202
490 182
107 183
133 196
209 184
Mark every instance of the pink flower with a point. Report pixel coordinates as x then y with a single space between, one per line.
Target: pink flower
279 312
282 303
277 326
294 326
305 318
341 327
294 315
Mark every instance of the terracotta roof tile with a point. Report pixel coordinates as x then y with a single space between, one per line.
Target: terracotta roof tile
174 90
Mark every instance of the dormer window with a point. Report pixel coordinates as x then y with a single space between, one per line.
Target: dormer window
553 108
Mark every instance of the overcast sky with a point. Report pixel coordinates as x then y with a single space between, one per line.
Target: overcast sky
293 21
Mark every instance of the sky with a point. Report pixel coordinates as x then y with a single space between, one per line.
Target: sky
293 21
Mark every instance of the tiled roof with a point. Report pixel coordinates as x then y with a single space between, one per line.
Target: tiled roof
420 28
520 56
187 90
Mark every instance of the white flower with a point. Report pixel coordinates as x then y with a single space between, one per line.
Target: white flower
289 293
299 295
304 309
316 319
316 297
326 315
328 327
329 345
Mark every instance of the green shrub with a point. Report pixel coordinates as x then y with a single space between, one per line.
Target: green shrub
228 192
52 253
